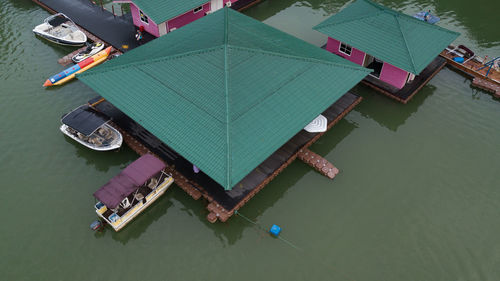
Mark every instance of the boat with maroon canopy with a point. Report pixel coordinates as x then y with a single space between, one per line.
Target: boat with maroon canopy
131 191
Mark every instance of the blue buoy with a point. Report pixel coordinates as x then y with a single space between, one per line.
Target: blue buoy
275 230
459 59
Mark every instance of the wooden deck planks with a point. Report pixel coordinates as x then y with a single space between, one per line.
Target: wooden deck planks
487 86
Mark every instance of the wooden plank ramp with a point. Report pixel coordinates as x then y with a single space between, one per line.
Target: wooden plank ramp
67 58
487 86
319 163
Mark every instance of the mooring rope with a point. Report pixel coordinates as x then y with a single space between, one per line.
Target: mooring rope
265 230
292 245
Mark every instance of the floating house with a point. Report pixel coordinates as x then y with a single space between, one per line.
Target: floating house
401 50
159 17
225 105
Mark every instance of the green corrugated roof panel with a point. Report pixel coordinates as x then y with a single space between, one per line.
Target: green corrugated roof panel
396 38
228 97
163 10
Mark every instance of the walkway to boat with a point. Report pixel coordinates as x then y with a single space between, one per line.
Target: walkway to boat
223 203
407 92
117 31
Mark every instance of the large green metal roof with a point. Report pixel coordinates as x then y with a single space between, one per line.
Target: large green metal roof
225 91
396 38
163 10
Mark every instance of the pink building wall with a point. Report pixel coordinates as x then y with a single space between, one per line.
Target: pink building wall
393 75
150 27
390 74
179 21
187 17
357 56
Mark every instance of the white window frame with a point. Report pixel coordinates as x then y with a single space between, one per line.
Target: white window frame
141 15
197 10
347 48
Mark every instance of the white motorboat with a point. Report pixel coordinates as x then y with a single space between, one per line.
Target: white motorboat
91 129
87 53
62 30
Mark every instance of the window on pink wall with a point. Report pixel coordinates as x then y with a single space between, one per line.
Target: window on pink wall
345 49
196 10
143 17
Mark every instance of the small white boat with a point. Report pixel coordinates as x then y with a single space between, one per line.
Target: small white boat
131 191
91 129
87 53
62 30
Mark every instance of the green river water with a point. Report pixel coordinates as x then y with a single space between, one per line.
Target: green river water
417 198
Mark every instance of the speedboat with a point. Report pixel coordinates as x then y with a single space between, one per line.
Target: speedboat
131 191
87 53
62 30
91 128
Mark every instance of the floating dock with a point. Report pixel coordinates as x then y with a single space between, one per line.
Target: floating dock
486 85
478 71
222 204
319 163
101 25
405 94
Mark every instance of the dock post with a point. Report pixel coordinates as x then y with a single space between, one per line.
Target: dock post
102 7
121 7
113 9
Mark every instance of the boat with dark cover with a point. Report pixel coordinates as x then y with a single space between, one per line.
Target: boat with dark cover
91 129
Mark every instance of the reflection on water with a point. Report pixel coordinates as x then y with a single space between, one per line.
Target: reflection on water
140 224
387 112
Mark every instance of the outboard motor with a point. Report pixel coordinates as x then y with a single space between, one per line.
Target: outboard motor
96 225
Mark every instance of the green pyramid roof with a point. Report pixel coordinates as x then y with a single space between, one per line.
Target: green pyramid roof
396 38
163 10
225 91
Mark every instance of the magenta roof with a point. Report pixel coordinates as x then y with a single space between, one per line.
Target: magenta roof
128 180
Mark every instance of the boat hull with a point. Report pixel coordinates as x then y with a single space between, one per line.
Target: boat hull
59 41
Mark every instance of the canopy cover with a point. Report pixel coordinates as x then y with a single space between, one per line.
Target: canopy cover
128 180
85 119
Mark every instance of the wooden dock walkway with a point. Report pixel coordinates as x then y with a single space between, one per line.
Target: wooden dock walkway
319 163
487 86
99 24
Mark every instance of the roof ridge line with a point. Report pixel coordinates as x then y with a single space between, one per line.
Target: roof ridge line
102 70
321 25
338 64
406 46
226 90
